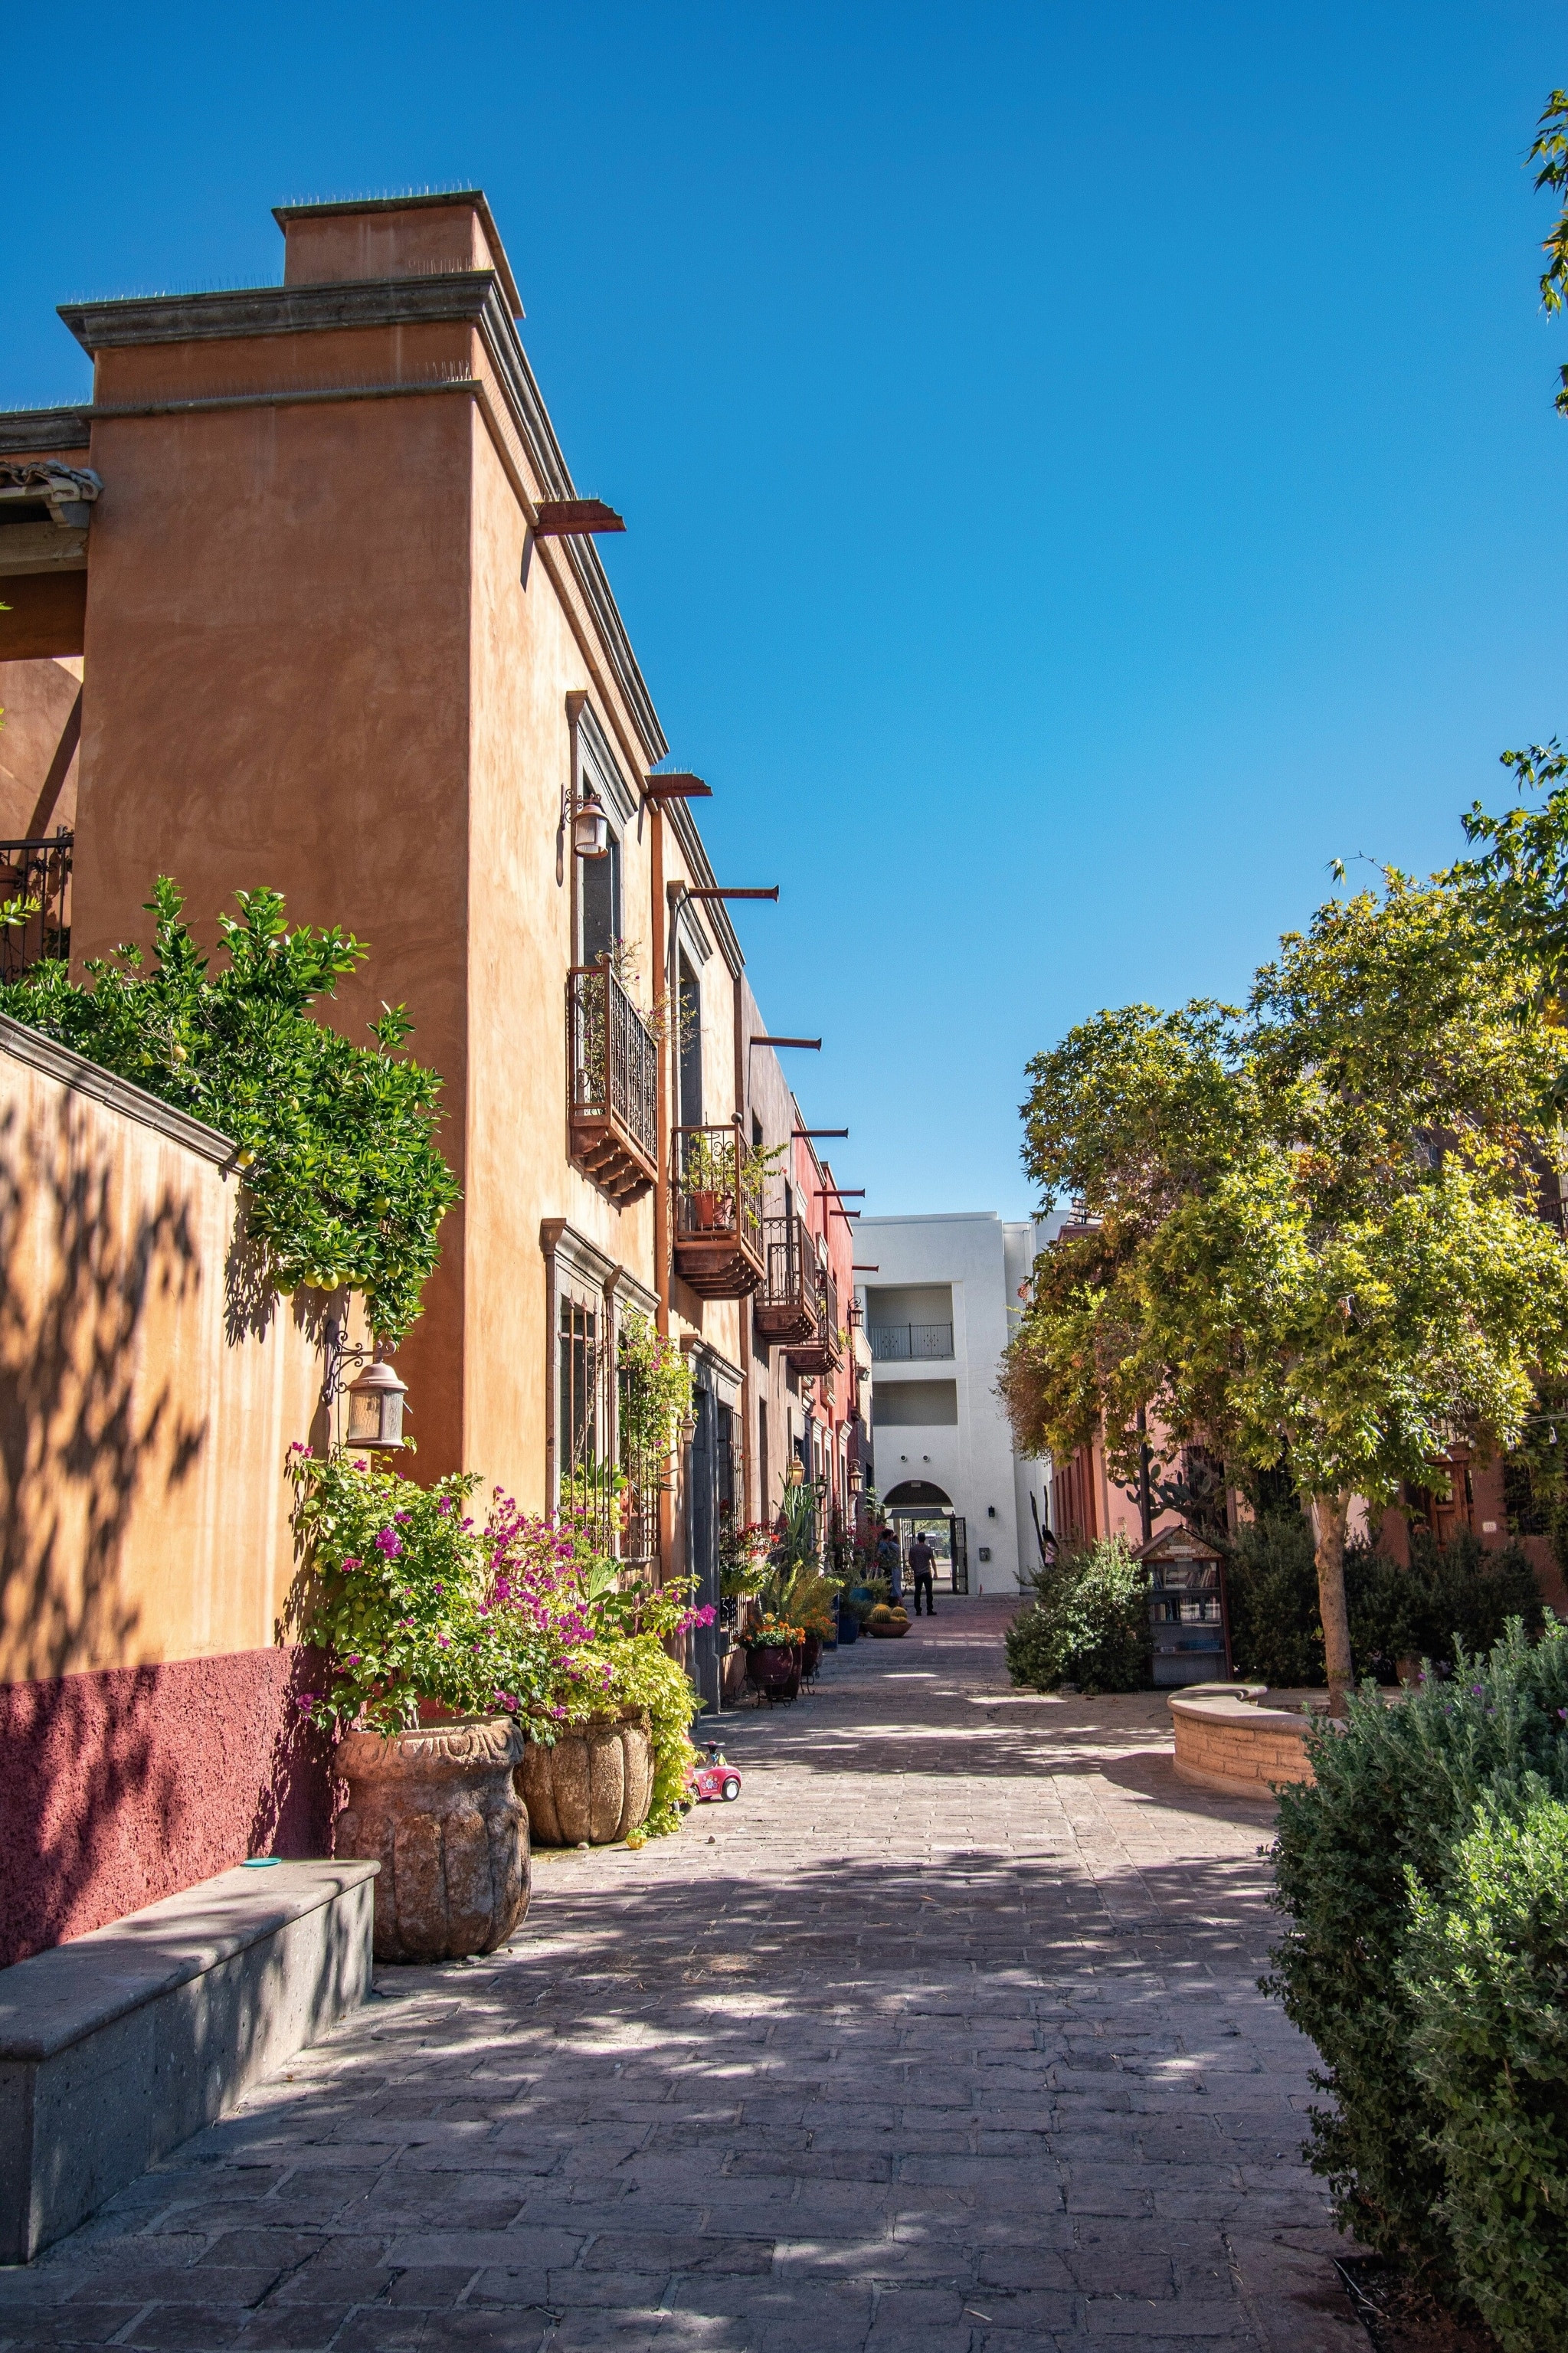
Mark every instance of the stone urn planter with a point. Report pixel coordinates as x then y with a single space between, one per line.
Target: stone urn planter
436 1808
595 1784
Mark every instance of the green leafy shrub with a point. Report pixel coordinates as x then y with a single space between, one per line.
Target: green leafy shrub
1459 1592
345 1183
1486 1975
1089 1624
1396 1788
1271 1588
396 1595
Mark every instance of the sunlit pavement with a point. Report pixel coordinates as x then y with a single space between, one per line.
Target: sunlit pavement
946 2035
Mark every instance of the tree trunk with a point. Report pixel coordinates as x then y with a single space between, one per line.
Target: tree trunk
1329 1513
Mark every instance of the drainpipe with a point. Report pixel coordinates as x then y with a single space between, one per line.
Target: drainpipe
661 1178
743 1309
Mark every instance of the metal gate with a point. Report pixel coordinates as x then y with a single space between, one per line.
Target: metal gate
958 1539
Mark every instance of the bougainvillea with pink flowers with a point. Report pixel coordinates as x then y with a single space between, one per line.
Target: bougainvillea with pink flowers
413 1606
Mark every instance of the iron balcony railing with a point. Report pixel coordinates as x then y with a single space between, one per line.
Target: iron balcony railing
822 1351
786 1305
613 1062
909 1344
38 870
718 1206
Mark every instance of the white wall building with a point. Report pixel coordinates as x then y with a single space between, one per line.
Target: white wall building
939 1311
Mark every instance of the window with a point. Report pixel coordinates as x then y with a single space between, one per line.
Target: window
691 1008
577 1398
600 903
914 1405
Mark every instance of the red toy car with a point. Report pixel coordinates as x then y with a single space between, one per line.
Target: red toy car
713 1778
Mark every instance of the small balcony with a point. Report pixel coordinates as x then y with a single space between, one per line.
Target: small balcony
909 1344
612 1068
715 1212
822 1351
38 870
785 1308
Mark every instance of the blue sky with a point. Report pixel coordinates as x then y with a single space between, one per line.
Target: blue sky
1086 468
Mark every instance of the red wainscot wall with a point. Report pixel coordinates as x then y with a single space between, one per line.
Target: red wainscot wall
127 1785
149 1390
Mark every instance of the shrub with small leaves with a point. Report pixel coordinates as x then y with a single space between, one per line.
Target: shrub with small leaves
1396 1789
345 1183
1089 1624
1486 1975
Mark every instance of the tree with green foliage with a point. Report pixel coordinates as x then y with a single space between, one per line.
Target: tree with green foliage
1308 1232
345 1181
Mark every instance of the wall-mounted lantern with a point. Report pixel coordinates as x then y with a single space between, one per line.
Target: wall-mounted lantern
376 1408
590 827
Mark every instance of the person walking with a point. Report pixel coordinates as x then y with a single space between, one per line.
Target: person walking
889 1564
923 1568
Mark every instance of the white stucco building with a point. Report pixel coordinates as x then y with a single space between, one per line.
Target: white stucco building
939 1311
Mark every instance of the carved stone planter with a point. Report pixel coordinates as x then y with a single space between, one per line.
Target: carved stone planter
594 1784
436 1808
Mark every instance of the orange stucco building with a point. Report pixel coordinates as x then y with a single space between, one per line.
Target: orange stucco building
306 596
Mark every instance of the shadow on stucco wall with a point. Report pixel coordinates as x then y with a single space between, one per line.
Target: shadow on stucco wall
118 1781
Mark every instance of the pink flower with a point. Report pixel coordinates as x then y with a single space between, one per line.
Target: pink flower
443 1641
389 1543
349 1562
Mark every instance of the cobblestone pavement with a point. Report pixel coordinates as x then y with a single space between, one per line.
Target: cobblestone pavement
944 2037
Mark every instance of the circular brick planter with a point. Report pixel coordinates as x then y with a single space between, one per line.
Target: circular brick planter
1240 1738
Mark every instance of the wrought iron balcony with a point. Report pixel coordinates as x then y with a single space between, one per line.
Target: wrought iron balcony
612 1070
786 1306
823 1351
715 1212
909 1344
39 871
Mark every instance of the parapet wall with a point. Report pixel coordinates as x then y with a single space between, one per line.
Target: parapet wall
149 1388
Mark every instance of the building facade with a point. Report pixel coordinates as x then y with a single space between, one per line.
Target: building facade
305 597
939 1298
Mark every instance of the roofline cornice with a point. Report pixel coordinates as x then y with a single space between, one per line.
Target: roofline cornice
44 428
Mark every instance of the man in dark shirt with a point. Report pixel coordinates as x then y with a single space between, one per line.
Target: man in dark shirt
922 1567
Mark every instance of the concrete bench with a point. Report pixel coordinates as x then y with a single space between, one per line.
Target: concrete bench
118 2045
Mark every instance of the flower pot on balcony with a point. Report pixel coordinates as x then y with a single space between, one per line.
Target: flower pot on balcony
595 1785
436 1807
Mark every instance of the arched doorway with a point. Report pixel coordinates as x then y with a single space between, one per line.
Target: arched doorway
919 1507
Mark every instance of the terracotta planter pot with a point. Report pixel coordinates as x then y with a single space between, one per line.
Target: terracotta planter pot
436 1808
595 1783
888 1629
775 1670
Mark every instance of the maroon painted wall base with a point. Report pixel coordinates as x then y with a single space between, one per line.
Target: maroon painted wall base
119 1788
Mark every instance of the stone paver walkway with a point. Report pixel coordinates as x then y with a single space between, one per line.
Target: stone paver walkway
944 2037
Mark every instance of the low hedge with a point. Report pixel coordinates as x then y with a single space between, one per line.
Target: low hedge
1089 1625
1385 1895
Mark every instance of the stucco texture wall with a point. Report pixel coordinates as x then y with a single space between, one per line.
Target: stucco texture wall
149 1388
277 651
526 660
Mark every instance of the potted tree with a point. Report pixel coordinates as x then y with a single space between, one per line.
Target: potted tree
424 1689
